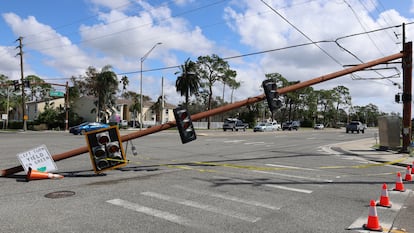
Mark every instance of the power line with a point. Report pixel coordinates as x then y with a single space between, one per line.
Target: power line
302 33
362 26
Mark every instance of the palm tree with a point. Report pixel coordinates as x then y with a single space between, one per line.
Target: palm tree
157 108
104 86
188 82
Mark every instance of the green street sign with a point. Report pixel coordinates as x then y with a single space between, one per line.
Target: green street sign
56 93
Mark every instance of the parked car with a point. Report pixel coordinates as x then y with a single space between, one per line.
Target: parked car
289 125
234 125
276 126
319 126
91 126
262 127
75 128
355 126
123 124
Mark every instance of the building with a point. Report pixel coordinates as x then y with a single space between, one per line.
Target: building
34 108
84 105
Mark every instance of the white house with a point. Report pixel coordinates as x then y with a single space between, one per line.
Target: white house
84 105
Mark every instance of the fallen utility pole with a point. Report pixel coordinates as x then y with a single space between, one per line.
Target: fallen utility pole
222 109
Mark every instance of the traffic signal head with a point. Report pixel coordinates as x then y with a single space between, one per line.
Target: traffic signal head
397 98
184 125
16 85
272 97
105 149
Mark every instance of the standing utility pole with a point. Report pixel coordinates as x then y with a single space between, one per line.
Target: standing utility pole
20 46
407 63
140 89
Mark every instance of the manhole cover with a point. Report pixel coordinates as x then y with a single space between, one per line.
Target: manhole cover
60 194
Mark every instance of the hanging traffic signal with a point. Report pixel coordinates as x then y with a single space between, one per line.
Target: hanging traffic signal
272 96
105 149
16 85
397 98
27 84
184 125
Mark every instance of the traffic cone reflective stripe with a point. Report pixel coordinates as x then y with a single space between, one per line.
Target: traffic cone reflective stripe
384 199
373 222
37 175
399 185
408 176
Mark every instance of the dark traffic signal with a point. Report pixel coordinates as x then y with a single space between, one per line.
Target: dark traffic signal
105 149
184 125
272 96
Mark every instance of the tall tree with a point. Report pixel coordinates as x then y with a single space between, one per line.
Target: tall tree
103 85
341 96
188 82
212 69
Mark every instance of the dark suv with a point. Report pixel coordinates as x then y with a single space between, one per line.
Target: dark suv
289 125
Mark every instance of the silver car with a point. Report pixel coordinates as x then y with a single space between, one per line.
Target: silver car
262 127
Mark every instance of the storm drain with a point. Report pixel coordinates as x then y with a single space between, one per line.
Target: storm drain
60 194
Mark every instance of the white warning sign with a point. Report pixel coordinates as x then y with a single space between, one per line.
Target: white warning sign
38 159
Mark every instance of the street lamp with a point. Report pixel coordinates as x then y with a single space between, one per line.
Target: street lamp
141 99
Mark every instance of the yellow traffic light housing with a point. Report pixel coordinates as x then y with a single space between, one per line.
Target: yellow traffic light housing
105 149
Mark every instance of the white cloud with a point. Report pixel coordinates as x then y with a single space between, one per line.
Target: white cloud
262 29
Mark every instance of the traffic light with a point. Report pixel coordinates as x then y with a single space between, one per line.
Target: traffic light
397 98
272 96
16 85
27 84
184 125
105 149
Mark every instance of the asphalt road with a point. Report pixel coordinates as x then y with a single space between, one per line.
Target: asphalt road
222 182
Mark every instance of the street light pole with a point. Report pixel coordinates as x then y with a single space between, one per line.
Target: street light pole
141 99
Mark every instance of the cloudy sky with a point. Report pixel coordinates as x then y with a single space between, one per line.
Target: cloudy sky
300 39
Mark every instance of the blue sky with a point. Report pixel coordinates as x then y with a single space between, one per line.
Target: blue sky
62 38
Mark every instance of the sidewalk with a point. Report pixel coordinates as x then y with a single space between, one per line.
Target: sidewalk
364 148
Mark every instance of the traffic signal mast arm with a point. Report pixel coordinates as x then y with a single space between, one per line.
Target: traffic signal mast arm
212 112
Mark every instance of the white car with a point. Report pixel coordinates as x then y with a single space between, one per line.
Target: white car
262 127
319 126
276 126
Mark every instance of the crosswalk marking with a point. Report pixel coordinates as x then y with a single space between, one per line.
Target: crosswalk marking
227 197
150 211
205 207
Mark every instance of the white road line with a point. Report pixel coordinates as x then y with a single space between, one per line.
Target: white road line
205 207
234 141
152 212
289 189
293 176
253 143
268 185
293 167
228 197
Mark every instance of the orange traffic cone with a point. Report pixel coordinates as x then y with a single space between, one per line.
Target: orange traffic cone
408 176
384 199
373 222
412 167
36 175
399 185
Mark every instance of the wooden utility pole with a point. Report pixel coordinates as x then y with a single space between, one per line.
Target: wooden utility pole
20 46
407 63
